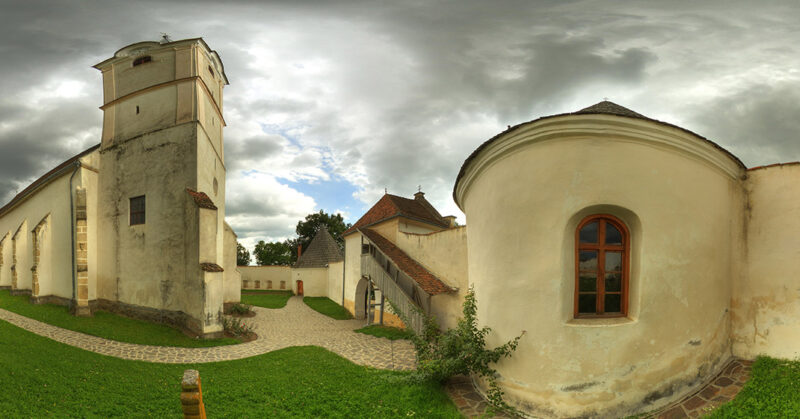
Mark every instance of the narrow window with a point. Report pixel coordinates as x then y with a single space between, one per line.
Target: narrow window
137 109
137 210
210 70
142 60
601 267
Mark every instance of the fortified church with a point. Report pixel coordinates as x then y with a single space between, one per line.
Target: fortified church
135 224
638 256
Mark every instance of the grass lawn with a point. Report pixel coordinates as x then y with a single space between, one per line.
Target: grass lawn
105 325
773 391
40 377
267 299
388 332
327 307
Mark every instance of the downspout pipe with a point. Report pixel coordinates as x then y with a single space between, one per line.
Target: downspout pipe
72 228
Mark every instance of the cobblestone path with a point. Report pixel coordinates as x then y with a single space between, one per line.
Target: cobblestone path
716 392
294 325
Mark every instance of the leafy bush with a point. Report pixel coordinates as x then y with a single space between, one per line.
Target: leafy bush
461 350
240 309
236 327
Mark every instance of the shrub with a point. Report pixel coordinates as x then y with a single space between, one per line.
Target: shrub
461 350
236 327
240 309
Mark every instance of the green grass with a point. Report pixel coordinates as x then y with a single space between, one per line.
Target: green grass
42 378
105 325
269 299
773 391
388 332
327 307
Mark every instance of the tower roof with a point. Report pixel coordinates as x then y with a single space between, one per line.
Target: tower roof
390 206
322 251
610 108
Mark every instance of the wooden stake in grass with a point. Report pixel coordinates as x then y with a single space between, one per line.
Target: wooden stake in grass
192 396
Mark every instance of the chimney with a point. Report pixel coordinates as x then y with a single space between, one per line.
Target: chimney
450 220
299 250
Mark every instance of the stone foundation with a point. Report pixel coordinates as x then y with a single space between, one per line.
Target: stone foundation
19 292
176 319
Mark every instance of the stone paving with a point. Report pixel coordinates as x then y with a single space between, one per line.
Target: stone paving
719 390
294 325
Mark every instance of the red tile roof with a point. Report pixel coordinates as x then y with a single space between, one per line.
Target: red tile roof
390 206
426 280
201 199
211 267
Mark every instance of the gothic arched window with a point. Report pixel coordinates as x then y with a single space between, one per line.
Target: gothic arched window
602 254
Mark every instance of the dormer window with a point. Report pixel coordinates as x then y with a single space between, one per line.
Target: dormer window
142 60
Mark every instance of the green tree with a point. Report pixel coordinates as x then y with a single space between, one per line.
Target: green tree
242 255
307 229
274 253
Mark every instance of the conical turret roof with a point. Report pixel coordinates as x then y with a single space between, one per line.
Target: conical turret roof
322 251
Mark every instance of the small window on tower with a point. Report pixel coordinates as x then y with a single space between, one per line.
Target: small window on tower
142 60
137 210
211 70
137 109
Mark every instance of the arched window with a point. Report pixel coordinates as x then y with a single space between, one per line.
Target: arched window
142 60
602 254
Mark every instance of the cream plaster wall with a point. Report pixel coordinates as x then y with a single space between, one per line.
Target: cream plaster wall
232 278
53 200
276 274
410 226
387 229
766 302
315 281
444 254
335 271
352 268
5 258
522 208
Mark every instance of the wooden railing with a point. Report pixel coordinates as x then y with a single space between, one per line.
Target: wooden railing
397 287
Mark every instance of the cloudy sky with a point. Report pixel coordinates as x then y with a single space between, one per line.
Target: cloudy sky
330 103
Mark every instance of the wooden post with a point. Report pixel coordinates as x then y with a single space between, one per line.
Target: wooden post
192 396
382 302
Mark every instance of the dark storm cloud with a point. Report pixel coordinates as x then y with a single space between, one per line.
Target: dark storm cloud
761 124
398 94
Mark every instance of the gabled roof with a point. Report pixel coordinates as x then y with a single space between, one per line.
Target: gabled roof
601 108
321 251
426 280
390 206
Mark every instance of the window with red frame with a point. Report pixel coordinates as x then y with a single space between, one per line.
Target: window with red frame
601 267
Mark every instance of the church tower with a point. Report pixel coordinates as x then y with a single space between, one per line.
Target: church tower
161 193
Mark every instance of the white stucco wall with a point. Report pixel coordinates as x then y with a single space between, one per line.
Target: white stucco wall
315 281
232 278
444 254
523 198
53 201
766 302
276 274
352 268
335 271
